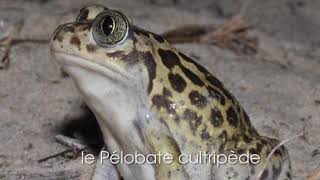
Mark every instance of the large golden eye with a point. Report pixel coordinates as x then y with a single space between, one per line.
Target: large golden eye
110 28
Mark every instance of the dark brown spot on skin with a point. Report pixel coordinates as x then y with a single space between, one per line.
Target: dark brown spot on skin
238 108
214 81
134 56
91 48
288 175
193 119
242 126
164 123
116 54
241 151
83 14
278 152
68 29
197 99
246 117
150 63
204 134
192 76
168 58
139 129
133 37
253 151
86 28
75 41
247 139
216 117
235 138
259 147
252 170
177 118
82 9
265 174
158 38
161 101
199 67
141 31
251 130
177 82
264 141
83 26
223 137
169 174
216 95
228 94
58 36
232 117
166 92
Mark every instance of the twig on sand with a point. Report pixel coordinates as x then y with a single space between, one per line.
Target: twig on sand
70 142
6 42
55 155
74 144
233 35
10 39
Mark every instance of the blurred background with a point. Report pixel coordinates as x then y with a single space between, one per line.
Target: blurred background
279 85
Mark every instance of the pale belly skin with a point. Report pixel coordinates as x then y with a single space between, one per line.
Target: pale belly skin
148 98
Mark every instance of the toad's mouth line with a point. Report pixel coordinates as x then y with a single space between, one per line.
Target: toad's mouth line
65 59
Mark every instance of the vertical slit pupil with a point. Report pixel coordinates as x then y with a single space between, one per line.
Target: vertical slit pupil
107 25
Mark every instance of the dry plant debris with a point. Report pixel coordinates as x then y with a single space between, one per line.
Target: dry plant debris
75 147
233 35
10 39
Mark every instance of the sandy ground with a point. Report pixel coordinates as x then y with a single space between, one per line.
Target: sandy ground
279 87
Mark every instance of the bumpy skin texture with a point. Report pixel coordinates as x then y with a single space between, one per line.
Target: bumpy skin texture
187 110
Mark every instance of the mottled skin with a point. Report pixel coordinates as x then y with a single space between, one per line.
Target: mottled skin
149 97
